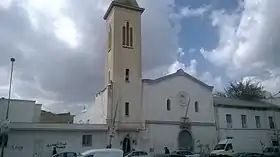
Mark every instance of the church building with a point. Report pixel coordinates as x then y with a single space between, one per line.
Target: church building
174 111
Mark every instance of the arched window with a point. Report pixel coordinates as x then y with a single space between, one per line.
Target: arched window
196 107
127 35
168 104
109 38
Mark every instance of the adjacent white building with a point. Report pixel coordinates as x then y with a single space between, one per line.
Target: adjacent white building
20 110
247 121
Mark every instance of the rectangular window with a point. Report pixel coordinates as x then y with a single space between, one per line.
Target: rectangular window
168 105
271 122
127 34
87 140
131 37
229 121
127 75
123 35
258 121
110 39
127 109
109 76
196 106
244 121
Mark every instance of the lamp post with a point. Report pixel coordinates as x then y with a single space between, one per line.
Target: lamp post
5 132
10 87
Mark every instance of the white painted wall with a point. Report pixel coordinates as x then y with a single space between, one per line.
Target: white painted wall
160 135
20 110
37 113
22 143
250 136
155 96
121 58
247 140
251 123
25 139
97 113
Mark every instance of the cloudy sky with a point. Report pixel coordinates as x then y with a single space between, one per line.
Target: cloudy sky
59 45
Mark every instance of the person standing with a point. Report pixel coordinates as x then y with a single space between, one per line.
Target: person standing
166 150
54 151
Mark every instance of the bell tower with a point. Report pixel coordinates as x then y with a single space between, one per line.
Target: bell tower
123 72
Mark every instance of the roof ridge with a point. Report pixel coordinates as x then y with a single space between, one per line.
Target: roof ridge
179 72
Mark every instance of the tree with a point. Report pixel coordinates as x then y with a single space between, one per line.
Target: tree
244 90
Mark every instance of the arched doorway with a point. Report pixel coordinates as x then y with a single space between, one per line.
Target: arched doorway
185 140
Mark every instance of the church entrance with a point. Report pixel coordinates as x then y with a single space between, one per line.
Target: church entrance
185 140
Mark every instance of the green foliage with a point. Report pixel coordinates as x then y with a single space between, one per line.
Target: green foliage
244 90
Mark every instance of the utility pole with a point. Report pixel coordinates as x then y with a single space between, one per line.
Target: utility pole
4 134
185 118
112 126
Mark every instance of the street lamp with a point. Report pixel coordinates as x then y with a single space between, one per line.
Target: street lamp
4 125
10 87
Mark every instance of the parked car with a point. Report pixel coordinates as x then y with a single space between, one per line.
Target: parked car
167 155
185 153
248 155
271 151
138 154
102 153
66 154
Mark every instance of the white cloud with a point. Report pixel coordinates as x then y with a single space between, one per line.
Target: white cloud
63 26
208 78
191 69
248 40
271 82
66 31
5 4
191 12
180 52
187 12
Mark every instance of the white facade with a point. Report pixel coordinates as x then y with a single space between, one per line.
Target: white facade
35 139
259 131
20 110
156 93
164 122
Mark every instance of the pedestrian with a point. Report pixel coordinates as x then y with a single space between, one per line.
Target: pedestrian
54 151
109 146
166 150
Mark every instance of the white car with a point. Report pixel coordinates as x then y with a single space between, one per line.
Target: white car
66 154
186 153
102 153
137 154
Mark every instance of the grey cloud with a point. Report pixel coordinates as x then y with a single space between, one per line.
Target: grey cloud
50 71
